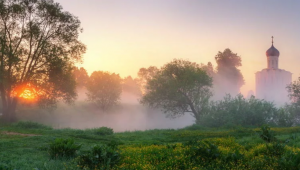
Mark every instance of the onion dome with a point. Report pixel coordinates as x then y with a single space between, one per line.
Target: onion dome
272 51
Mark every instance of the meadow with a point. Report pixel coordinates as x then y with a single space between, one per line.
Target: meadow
33 146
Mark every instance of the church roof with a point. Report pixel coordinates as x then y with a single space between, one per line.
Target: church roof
272 51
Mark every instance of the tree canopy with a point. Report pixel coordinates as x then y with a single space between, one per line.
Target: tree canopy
104 89
81 76
179 87
144 75
294 91
38 48
229 78
131 85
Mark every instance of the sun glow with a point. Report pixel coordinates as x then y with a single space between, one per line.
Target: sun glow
28 93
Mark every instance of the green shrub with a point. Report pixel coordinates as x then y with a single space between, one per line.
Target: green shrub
104 131
63 148
2 167
289 161
202 152
31 125
100 157
238 111
267 134
276 149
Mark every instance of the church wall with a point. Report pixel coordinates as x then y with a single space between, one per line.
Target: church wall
271 85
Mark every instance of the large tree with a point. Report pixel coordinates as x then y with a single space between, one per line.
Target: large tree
228 78
179 87
104 89
38 47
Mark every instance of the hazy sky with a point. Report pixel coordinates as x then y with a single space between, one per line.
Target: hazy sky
124 35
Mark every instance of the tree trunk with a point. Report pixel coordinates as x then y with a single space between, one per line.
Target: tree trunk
9 110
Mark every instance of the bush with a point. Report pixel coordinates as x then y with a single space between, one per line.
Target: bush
63 148
104 131
202 152
267 134
289 161
31 125
100 157
2 167
238 111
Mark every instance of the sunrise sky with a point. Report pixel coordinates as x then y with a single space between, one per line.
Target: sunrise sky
124 35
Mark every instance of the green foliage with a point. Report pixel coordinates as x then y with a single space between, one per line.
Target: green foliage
31 125
294 91
60 148
275 149
104 131
104 89
238 111
179 87
38 47
155 149
100 157
289 161
290 115
284 118
267 134
2 167
203 152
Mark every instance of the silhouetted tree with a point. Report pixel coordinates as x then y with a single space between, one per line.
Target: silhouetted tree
179 87
228 77
144 75
81 76
104 89
38 46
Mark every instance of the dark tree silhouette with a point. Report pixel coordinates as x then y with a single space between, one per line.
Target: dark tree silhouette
38 47
179 87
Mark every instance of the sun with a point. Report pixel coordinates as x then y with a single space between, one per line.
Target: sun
28 93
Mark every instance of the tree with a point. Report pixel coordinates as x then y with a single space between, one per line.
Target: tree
81 76
38 48
131 85
104 89
294 107
144 75
229 78
179 87
294 91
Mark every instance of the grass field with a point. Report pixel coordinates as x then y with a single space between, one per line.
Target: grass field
25 145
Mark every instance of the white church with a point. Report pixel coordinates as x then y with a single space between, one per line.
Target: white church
271 82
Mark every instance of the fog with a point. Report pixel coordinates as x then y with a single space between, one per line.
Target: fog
129 115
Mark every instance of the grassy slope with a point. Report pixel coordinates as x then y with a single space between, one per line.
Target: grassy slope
28 152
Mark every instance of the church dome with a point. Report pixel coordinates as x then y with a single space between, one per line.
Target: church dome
272 51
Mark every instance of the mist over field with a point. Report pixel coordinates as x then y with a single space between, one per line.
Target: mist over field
129 115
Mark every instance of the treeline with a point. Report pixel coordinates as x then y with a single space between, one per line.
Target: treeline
183 87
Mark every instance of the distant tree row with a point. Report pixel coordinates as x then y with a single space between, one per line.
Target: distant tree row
104 88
